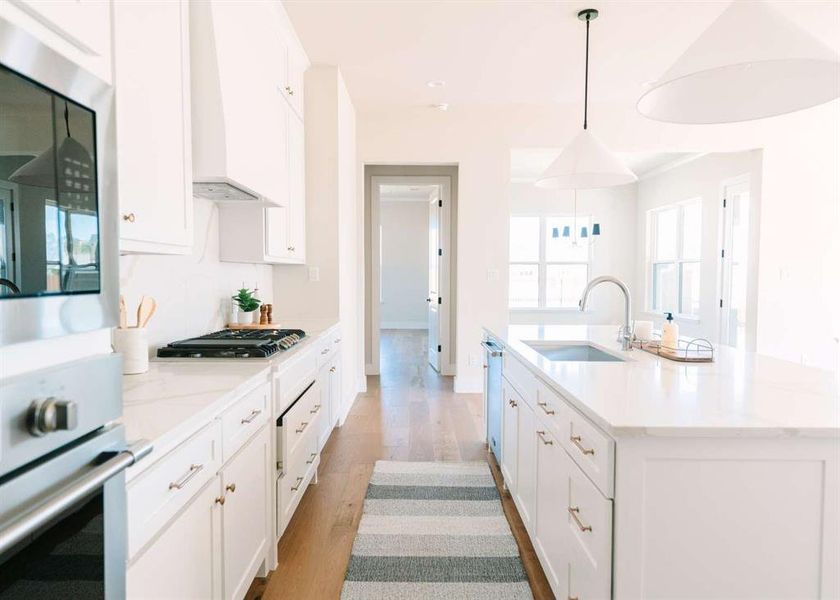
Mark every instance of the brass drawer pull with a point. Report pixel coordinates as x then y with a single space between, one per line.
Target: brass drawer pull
130 217
220 500
512 403
251 417
576 439
543 439
325 351
194 470
337 340
311 458
543 405
296 486
575 511
315 409
231 487
302 427
332 369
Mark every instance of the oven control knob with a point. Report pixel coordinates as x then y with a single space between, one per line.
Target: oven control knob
51 414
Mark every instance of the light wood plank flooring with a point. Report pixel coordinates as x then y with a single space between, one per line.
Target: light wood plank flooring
407 413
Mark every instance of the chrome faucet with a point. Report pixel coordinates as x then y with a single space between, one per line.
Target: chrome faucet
625 336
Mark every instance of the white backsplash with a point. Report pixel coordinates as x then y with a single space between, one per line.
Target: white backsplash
192 292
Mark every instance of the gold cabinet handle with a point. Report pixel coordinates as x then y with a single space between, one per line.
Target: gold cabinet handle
251 417
315 409
296 486
544 439
543 406
231 488
194 470
332 369
302 427
512 403
130 218
311 458
325 351
220 500
575 511
576 439
337 340
290 91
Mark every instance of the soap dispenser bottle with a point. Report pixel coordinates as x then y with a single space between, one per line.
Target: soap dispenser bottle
670 332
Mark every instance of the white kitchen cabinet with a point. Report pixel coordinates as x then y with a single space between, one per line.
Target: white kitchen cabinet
335 391
295 69
525 494
297 190
154 163
80 30
510 431
551 532
185 560
245 514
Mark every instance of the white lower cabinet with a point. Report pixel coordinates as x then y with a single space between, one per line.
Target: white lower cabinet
510 430
335 391
185 561
550 539
525 494
245 514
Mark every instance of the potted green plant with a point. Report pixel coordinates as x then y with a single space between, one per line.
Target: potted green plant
248 305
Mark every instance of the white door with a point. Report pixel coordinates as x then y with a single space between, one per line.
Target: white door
734 264
433 298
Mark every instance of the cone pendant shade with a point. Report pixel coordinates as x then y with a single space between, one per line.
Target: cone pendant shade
584 164
749 64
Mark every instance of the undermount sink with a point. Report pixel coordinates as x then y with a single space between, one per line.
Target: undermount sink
573 352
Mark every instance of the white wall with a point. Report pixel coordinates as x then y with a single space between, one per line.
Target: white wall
405 264
611 254
192 292
701 178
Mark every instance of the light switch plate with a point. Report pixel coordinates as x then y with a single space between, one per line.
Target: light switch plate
314 274
492 274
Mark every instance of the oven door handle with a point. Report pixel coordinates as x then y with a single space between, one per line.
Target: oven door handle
15 530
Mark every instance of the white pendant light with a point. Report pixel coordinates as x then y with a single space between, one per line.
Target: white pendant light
749 64
586 162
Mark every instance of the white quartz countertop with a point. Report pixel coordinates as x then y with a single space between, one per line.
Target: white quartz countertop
175 398
740 394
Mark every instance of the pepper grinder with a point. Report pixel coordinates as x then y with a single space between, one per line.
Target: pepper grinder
263 313
268 309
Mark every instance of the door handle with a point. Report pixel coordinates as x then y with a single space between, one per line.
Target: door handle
428 299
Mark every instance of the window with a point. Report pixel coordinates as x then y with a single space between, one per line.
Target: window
674 234
547 271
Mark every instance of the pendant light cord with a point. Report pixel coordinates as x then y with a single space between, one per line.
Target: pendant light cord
586 77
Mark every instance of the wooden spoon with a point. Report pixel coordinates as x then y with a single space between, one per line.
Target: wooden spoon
145 310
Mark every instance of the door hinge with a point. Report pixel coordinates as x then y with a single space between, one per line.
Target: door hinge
721 302
440 203
440 251
724 203
440 300
439 348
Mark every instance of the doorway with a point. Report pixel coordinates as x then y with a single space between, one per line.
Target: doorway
735 307
411 251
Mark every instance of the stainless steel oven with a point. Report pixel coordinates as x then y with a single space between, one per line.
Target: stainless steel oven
62 487
58 203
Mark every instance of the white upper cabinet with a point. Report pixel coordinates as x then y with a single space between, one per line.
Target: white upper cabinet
153 126
239 66
296 67
297 190
78 29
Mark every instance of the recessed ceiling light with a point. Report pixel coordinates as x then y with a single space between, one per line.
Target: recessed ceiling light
444 106
436 83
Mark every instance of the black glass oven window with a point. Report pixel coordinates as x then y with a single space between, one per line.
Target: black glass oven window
66 560
49 218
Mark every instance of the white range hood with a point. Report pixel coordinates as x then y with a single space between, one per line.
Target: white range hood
239 125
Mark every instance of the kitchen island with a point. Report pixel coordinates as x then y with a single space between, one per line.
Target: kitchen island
637 476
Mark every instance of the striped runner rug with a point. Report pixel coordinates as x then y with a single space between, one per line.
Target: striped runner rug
434 530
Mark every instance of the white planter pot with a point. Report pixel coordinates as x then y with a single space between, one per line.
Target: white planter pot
245 318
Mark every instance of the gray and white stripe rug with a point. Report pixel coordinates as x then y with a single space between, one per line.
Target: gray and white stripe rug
434 530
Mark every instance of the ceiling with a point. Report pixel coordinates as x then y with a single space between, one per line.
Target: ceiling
527 164
405 193
511 52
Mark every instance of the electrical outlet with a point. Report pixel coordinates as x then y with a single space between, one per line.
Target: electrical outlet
314 274
492 274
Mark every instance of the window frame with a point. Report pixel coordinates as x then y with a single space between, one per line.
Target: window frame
543 263
678 261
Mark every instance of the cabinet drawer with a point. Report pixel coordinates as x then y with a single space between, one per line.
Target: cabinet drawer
552 411
589 517
294 377
326 349
519 376
586 582
243 419
298 422
591 449
166 487
296 477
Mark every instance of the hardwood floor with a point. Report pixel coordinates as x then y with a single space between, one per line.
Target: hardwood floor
409 412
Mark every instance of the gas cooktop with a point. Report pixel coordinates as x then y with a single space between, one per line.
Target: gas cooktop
234 343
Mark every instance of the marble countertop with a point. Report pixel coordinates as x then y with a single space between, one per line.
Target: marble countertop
175 398
740 394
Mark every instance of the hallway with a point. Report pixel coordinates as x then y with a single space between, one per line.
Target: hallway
409 413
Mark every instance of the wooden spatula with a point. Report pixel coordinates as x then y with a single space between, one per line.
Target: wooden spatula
145 310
